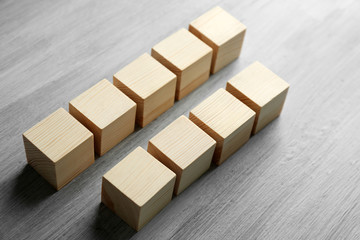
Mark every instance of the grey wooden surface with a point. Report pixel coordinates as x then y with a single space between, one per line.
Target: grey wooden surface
297 179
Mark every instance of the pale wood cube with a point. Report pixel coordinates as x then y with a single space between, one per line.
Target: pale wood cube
105 111
223 33
149 84
262 90
186 56
137 188
59 148
185 149
225 119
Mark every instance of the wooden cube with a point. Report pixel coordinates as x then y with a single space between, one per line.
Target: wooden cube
223 33
137 188
59 148
105 111
225 119
149 84
262 90
185 149
186 56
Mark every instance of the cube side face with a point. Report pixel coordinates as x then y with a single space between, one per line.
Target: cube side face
246 100
156 204
159 155
210 43
158 103
228 52
119 129
89 125
40 162
196 169
168 64
75 162
193 76
235 141
120 204
219 140
134 96
270 111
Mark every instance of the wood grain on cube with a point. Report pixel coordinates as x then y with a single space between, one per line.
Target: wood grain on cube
186 56
185 149
149 84
105 111
137 188
225 119
260 89
223 33
59 148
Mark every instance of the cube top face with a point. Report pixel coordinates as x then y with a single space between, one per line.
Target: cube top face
218 26
57 135
222 113
144 76
183 142
259 84
103 103
182 49
139 176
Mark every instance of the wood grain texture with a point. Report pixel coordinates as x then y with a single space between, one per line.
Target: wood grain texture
148 83
186 56
137 188
185 149
59 148
227 120
297 178
223 33
107 112
261 90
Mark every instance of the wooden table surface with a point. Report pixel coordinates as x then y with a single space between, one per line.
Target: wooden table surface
297 179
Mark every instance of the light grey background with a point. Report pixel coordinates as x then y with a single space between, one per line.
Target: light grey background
297 178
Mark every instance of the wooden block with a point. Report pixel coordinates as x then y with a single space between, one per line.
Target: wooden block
185 149
59 148
105 111
149 84
186 56
260 89
225 119
137 188
223 33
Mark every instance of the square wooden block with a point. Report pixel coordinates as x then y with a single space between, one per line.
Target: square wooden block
105 111
225 119
186 56
223 33
185 149
262 90
59 148
137 188
149 84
